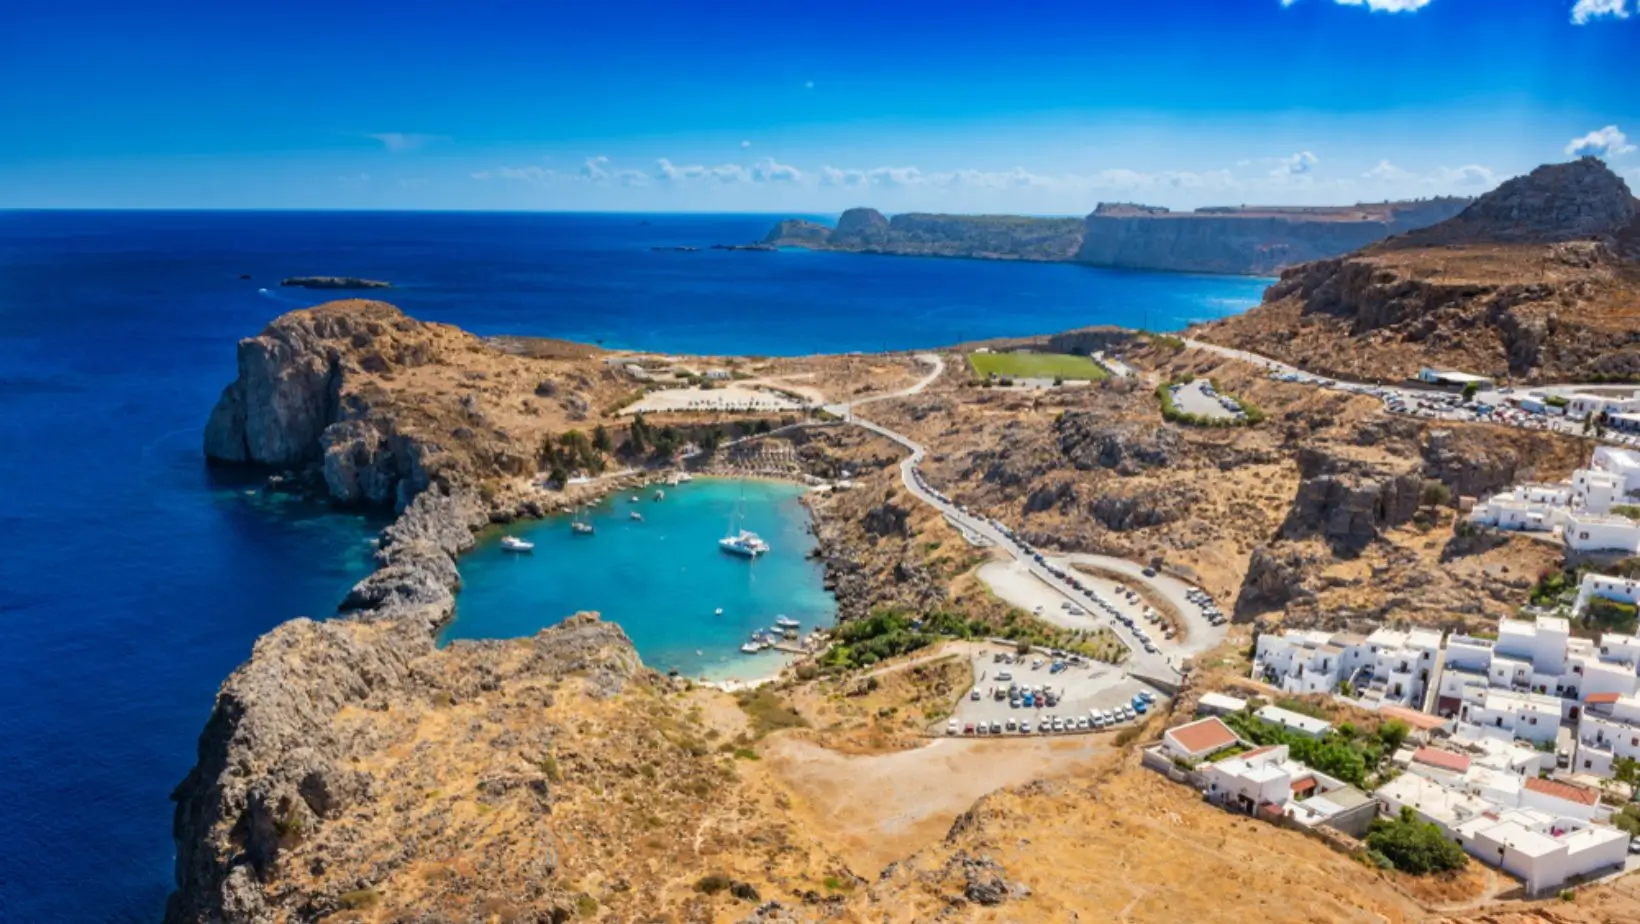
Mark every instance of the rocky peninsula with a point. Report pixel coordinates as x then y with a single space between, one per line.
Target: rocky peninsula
1234 240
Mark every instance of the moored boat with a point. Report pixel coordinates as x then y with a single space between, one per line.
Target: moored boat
515 544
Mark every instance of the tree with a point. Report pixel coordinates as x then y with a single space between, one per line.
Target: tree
637 436
1627 770
601 440
1392 735
1415 847
1435 494
1470 390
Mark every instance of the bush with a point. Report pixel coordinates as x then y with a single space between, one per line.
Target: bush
713 884
1415 847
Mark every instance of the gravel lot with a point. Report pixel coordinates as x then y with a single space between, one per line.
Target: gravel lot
1095 686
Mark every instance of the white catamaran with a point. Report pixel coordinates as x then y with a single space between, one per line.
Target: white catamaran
742 542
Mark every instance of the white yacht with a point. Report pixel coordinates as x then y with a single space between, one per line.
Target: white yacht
786 622
635 515
579 526
515 544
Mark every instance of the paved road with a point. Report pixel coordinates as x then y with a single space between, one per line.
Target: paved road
1193 399
1417 402
1200 635
1157 665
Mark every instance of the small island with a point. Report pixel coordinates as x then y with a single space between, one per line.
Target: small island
335 282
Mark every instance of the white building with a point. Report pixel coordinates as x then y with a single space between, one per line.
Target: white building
1506 714
1543 849
1198 740
1623 590
1213 703
1298 723
1589 532
1608 729
1308 661
1623 463
1543 831
1402 661
1267 780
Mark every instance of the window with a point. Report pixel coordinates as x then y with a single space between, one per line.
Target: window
1588 764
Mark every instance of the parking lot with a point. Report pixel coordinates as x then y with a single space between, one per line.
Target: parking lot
1077 691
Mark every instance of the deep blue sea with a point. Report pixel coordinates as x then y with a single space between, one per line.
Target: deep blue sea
132 580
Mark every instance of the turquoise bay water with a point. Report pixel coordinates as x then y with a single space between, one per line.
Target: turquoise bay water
661 578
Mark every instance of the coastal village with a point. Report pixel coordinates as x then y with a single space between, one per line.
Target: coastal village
1118 614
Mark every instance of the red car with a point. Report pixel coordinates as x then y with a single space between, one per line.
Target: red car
968 729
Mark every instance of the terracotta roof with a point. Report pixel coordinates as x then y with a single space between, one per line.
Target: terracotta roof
1414 718
1563 791
1446 760
1304 785
1202 736
1257 751
1602 697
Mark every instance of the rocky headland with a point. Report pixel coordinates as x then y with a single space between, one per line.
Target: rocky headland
1236 240
335 282
1535 281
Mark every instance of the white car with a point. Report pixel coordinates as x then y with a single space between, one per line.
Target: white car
951 727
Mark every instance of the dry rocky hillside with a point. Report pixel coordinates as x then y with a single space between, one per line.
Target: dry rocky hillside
1538 280
1317 515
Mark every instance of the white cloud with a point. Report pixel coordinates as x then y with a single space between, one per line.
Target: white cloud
1605 142
1586 11
595 168
1388 173
1467 175
1385 6
399 142
745 144
530 174
1299 164
767 170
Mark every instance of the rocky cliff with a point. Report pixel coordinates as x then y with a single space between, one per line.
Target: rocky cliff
1535 280
1222 240
1251 241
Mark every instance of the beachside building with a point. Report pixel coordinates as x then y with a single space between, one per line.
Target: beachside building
1197 740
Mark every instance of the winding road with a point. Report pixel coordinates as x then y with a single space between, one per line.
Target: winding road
1158 665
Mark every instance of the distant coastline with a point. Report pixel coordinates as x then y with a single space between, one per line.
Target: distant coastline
1239 240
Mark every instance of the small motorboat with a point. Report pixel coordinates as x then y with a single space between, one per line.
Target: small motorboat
660 495
635 515
581 529
786 622
718 611
634 498
515 544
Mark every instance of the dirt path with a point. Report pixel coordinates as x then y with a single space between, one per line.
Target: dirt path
873 810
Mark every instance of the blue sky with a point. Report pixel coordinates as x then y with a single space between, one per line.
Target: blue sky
960 106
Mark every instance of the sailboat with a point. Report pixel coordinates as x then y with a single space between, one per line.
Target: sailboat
744 542
579 526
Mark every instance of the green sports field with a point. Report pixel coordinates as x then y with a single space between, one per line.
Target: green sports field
1036 366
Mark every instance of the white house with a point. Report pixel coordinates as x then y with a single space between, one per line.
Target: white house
1508 714
1197 740
1596 491
1402 662
1307 661
1608 729
1623 590
1298 723
1589 532
1623 463
1267 780
1213 703
1543 849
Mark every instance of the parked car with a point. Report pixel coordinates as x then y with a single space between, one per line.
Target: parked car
974 695
951 727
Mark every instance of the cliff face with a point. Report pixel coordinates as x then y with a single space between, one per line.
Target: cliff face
1243 243
1230 240
1536 279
